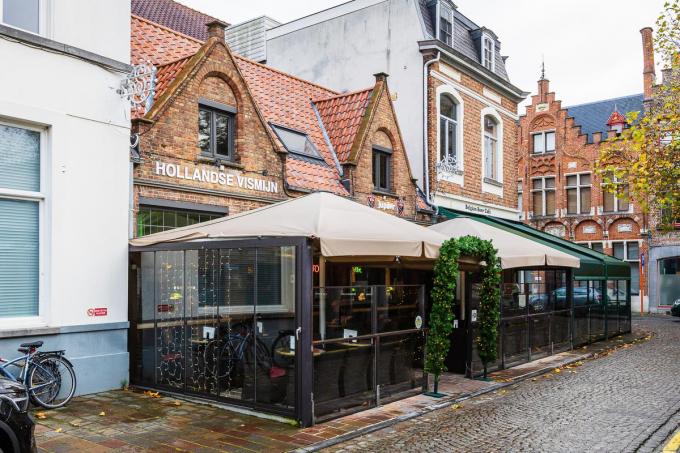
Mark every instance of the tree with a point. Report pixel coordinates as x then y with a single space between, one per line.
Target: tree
647 154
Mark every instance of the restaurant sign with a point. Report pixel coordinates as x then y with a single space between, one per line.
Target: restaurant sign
215 177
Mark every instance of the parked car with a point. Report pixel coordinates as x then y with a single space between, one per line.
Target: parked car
16 425
675 308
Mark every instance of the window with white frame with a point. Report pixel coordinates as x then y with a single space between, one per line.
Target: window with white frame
543 196
520 194
448 128
491 163
23 14
488 52
21 202
445 23
630 251
543 142
578 194
616 201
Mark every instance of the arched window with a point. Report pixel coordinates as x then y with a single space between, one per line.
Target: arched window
448 128
490 148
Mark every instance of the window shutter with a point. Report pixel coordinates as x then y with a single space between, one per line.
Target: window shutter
19 258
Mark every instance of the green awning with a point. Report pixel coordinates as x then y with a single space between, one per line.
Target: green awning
594 265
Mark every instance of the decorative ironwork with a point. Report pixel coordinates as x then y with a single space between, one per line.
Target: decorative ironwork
371 201
138 85
448 166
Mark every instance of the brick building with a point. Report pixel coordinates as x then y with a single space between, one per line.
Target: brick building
558 189
455 103
224 134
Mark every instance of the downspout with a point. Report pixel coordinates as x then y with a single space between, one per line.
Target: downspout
426 160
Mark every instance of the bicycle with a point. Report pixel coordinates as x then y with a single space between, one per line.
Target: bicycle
48 376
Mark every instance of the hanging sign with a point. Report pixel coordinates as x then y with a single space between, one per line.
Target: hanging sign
215 177
419 322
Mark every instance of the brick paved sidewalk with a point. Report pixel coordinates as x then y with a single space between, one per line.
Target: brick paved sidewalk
134 421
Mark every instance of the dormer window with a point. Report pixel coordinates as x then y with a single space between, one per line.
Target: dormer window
296 142
488 52
445 18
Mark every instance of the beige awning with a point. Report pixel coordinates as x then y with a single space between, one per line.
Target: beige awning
343 228
513 250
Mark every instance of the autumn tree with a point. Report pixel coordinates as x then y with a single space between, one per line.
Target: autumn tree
646 155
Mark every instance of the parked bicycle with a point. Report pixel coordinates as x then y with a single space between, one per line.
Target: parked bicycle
48 376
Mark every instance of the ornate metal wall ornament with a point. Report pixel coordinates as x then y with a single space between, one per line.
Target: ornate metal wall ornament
138 85
447 166
400 206
371 201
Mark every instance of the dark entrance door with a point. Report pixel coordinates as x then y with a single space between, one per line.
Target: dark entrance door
465 310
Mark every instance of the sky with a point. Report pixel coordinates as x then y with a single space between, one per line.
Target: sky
592 48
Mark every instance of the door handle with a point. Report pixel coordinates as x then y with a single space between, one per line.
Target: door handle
297 333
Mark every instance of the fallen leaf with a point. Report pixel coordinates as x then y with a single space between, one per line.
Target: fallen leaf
534 379
456 406
102 413
41 415
152 394
557 370
58 430
75 424
177 403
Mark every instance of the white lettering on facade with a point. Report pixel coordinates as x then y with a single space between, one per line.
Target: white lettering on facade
215 177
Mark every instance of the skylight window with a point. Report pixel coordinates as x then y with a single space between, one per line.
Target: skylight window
296 142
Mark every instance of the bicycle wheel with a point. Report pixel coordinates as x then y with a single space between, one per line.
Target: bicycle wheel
51 381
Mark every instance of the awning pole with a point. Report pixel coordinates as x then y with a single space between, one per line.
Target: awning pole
322 297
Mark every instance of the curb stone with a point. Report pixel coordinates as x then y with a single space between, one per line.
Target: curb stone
433 407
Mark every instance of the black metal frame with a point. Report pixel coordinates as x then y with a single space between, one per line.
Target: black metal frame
303 320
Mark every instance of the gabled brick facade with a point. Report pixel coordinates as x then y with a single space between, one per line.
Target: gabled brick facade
574 153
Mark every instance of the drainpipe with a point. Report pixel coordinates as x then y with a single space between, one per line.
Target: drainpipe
426 160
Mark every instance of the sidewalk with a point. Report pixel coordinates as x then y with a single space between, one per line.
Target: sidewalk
135 421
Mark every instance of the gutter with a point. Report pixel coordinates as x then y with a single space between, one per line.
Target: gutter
515 92
426 160
327 139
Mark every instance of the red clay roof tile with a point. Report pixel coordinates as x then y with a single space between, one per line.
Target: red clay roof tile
174 15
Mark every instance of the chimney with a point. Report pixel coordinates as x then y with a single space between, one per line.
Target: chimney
380 77
543 89
216 30
648 74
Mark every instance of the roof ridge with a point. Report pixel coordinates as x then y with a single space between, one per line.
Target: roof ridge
603 100
168 29
337 96
278 71
196 11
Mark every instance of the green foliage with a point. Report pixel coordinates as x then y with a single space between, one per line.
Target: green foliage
646 156
443 294
441 315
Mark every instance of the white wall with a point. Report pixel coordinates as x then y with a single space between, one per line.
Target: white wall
84 253
344 52
100 26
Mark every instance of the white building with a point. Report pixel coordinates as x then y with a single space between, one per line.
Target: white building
64 183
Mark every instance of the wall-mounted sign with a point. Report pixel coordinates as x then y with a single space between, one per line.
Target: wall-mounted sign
419 322
215 177
589 229
386 205
477 209
624 228
556 230
572 165
473 315
97 312
542 108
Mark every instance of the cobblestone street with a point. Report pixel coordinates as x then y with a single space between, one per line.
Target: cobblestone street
628 400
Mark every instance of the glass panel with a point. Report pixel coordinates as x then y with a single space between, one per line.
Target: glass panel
400 363
572 201
550 183
633 251
169 280
204 126
515 345
540 335
222 139
669 280
635 278
538 143
537 184
619 250
442 140
624 308
451 139
537 203
572 180
624 204
550 141
19 258
550 202
608 202
514 298
23 14
597 311
343 312
612 308
490 126
585 200
296 142
581 313
447 107
384 171
560 330
143 356
597 246
19 158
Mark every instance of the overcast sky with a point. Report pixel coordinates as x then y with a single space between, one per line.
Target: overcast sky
592 48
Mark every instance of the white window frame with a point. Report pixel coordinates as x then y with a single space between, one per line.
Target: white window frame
543 191
615 182
578 188
488 40
460 113
520 197
544 134
489 185
441 15
41 198
44 21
